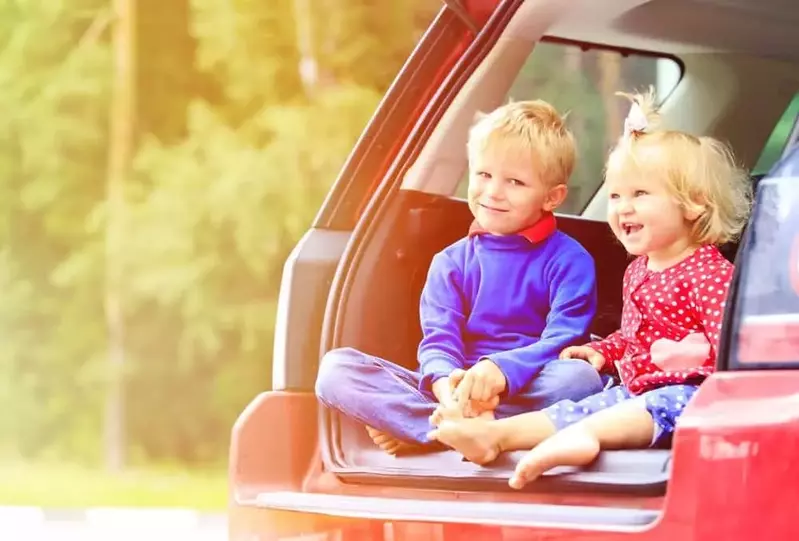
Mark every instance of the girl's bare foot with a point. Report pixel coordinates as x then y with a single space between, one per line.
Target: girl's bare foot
573 446
474 438
389 443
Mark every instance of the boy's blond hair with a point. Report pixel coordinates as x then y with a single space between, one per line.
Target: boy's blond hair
532 127
700 171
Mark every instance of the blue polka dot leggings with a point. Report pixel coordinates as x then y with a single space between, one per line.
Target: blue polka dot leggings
665 404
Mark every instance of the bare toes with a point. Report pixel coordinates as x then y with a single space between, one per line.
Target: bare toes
383 440
521 475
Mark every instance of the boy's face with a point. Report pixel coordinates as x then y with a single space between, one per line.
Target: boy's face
506 194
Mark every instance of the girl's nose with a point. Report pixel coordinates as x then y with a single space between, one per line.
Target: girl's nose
624 206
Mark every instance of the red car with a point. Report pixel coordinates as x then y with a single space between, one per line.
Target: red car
728 68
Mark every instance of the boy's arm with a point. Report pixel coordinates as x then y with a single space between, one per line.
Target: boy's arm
572 301
442 318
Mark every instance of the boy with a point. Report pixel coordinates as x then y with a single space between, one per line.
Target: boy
498 306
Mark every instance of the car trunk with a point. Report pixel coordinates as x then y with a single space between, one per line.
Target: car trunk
378 314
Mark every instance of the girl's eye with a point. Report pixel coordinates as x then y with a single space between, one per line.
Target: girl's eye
614 196
639 193
516 182
483 174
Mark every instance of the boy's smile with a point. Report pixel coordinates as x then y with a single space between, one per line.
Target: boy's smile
492 209
506 192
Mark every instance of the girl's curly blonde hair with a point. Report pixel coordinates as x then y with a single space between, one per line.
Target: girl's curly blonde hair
701 172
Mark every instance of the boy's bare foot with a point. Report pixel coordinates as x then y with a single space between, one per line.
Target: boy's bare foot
573 446
474 438
389 443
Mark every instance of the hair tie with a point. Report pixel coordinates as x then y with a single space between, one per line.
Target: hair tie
636 123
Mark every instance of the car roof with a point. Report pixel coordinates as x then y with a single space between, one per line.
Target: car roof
763 28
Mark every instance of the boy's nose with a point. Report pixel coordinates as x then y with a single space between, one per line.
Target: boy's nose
494 190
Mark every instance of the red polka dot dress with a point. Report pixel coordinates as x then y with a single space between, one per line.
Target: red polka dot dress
671 322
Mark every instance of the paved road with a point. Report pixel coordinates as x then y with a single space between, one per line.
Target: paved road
33 524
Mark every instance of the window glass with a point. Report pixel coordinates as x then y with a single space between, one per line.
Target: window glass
584 82
766 326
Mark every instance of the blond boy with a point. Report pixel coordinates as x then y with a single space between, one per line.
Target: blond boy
498 306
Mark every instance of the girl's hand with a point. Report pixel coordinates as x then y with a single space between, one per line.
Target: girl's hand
584 353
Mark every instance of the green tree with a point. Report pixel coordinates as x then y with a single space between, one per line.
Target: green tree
233 160
54 94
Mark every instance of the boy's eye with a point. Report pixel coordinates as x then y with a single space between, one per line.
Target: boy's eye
639 193
516 182
614 196
483 174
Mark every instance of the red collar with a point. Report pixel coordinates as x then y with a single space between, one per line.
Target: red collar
539 231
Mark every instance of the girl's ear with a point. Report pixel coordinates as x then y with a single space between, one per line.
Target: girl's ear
693 211
555 197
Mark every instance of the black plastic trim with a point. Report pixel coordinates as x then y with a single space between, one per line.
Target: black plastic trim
731 312
357 461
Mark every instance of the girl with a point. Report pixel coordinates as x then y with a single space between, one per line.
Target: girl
673 198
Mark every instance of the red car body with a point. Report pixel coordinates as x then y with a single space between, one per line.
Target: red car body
733 474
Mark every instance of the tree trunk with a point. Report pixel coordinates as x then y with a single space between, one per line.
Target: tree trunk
120 153
309 66
609 80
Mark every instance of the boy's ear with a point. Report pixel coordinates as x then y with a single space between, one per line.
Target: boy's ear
555 197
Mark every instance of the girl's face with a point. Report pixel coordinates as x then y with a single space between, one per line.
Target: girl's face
648 220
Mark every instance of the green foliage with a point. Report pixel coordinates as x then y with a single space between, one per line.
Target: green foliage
213 233
389 31
233 161
54 94
249 47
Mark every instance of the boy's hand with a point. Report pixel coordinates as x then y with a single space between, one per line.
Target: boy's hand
475 408
482 383
586 354
449 408
444 388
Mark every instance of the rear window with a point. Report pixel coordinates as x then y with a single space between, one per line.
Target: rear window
583 82
766 323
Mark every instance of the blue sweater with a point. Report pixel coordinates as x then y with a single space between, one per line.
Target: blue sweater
507 299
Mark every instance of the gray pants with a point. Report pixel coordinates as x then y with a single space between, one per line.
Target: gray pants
386 396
